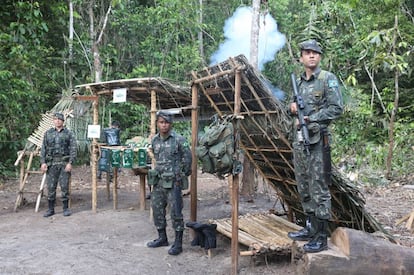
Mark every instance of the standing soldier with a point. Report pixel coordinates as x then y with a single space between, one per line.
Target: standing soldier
57 157
322 104
173 159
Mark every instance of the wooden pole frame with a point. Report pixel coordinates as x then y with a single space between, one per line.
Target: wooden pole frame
153 131
94 145
194 140
235 181
94 157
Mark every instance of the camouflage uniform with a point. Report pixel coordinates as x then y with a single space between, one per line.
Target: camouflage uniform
173 163
323 103
58 149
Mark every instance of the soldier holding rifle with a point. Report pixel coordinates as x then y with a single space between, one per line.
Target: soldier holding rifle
317 103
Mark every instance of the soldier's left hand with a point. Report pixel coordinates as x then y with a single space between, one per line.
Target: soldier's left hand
68 167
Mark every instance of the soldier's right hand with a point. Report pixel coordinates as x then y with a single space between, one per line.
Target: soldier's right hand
293 108
43 167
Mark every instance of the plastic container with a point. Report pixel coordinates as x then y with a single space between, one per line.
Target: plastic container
142 157
116 158
128 158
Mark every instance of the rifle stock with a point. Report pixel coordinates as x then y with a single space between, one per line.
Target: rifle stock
300 106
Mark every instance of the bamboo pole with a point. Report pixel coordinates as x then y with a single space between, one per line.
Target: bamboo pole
20 155
142 192
115 187
153 130
194 135
39 195
235 182
206 78
94 157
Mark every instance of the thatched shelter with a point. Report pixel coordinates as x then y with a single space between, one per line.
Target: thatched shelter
264 137
154 92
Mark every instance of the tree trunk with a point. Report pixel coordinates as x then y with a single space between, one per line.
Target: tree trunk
70 57
357 252
248 186
395 107
200 33
248 182
254 37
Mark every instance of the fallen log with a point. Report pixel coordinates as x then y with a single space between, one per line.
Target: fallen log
355 252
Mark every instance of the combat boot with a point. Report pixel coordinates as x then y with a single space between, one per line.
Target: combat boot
66 210
161 241
177 247
51 210
320 241
307 232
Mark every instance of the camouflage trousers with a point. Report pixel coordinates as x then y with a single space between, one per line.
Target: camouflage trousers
313 190
56 174
160 198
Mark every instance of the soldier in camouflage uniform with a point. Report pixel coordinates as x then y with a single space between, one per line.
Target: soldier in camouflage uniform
57 156
323 104
170 175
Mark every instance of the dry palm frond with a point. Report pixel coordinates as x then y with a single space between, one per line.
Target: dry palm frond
77 114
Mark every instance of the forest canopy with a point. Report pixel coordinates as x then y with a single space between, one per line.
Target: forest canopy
48 47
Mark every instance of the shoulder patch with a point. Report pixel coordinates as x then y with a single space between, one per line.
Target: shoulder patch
333 83
186 144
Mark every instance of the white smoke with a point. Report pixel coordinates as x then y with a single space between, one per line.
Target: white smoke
237 32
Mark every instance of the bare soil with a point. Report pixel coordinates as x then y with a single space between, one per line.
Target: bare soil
114 241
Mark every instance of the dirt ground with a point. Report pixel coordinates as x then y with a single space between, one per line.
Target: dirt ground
114 241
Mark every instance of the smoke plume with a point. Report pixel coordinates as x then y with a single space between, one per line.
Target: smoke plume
237 32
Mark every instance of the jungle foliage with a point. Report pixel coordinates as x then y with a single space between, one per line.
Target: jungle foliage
371 55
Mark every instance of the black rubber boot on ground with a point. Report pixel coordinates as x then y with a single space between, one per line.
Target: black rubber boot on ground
320 241
161 241
177 247
66 210
210 234
51 210
307 232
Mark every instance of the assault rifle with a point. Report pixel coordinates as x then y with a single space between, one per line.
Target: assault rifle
300 106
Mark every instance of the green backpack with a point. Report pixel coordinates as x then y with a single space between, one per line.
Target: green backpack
216 148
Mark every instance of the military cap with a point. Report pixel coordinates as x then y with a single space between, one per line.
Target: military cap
310 45
59 116
165 115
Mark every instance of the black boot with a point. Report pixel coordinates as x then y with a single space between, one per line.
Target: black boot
66 210
307 232
177 247
51 210
320 241
210 235
199 238
161 241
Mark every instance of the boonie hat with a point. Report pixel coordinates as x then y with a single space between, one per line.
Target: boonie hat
59 116
165 115
310 45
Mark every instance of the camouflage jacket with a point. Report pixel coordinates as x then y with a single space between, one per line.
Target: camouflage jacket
322 97
58 147
172 154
